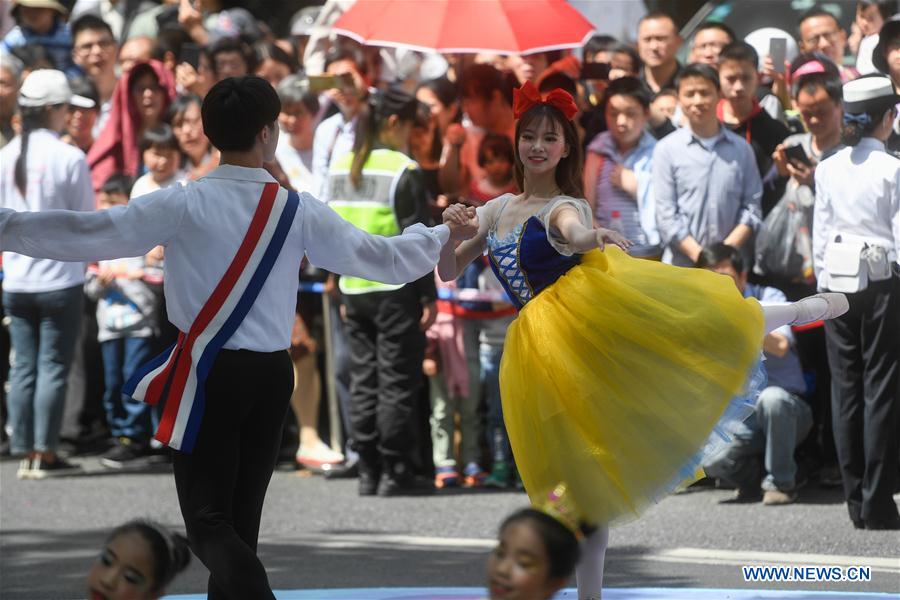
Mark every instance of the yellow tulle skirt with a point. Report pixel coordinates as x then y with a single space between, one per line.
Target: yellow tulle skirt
613 377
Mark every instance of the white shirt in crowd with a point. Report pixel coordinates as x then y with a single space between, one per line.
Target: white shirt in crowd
334 138
858 198
146 184
58 178
296 164
202 224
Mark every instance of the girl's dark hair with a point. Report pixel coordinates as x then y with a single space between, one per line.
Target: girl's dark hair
568 171
268 50
33 117
498 145
180 105
236 109
445 90
636 61
885 7
378 108
161 136
118 183
171 554
862 124
560 542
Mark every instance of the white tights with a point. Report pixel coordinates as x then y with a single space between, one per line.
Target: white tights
589 572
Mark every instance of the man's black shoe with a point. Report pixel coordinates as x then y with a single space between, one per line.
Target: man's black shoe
407 486
368 483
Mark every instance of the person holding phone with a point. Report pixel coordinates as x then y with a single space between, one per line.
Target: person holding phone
740 111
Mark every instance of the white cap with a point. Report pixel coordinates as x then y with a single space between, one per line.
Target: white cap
46 87
870 92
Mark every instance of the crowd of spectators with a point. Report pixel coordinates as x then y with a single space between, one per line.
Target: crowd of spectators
701 164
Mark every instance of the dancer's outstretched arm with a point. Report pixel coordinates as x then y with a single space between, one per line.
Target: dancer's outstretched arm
130 230
338 246
567 221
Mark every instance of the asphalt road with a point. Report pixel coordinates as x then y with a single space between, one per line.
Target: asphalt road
320 534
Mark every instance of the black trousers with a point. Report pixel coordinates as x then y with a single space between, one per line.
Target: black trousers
386 352
864 356
222 484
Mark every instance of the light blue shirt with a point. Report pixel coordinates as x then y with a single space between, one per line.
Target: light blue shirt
704 192
639 213
333 138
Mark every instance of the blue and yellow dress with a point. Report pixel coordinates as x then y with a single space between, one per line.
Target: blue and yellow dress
616 369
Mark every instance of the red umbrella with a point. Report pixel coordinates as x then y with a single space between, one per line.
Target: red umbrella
450 26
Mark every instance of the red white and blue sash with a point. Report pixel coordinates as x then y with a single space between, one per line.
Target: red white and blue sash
177 377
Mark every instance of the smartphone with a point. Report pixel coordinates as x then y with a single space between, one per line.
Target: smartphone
321 83
798 154
778 52
594 71
190 54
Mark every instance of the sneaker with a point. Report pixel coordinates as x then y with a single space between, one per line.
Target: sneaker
42 469
25 469
499 477
474 475
779 497
124 454
446 477
820 307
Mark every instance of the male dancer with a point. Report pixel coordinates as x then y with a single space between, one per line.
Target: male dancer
234 241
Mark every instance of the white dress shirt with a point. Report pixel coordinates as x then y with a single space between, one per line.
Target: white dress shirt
858 197
202 224
58 177
334 138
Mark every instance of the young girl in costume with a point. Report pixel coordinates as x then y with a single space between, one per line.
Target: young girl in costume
139 560
616 369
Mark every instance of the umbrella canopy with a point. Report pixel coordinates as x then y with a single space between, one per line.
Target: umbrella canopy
469 26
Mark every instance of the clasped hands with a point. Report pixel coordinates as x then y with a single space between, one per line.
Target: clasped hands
462 221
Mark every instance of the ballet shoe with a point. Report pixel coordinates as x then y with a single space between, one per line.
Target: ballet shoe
820 307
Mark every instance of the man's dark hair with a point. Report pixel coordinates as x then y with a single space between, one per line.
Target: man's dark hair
718 253
232 45
739 51
482 80
631 87
658 14
91 22
716 25
814 12
597 44
236 109
698 70
354 55
161 137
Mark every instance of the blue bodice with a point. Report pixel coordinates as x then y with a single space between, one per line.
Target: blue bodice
525 262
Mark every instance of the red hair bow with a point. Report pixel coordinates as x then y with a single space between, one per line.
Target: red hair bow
528 96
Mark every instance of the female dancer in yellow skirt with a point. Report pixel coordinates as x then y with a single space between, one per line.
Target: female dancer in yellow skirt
616 369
